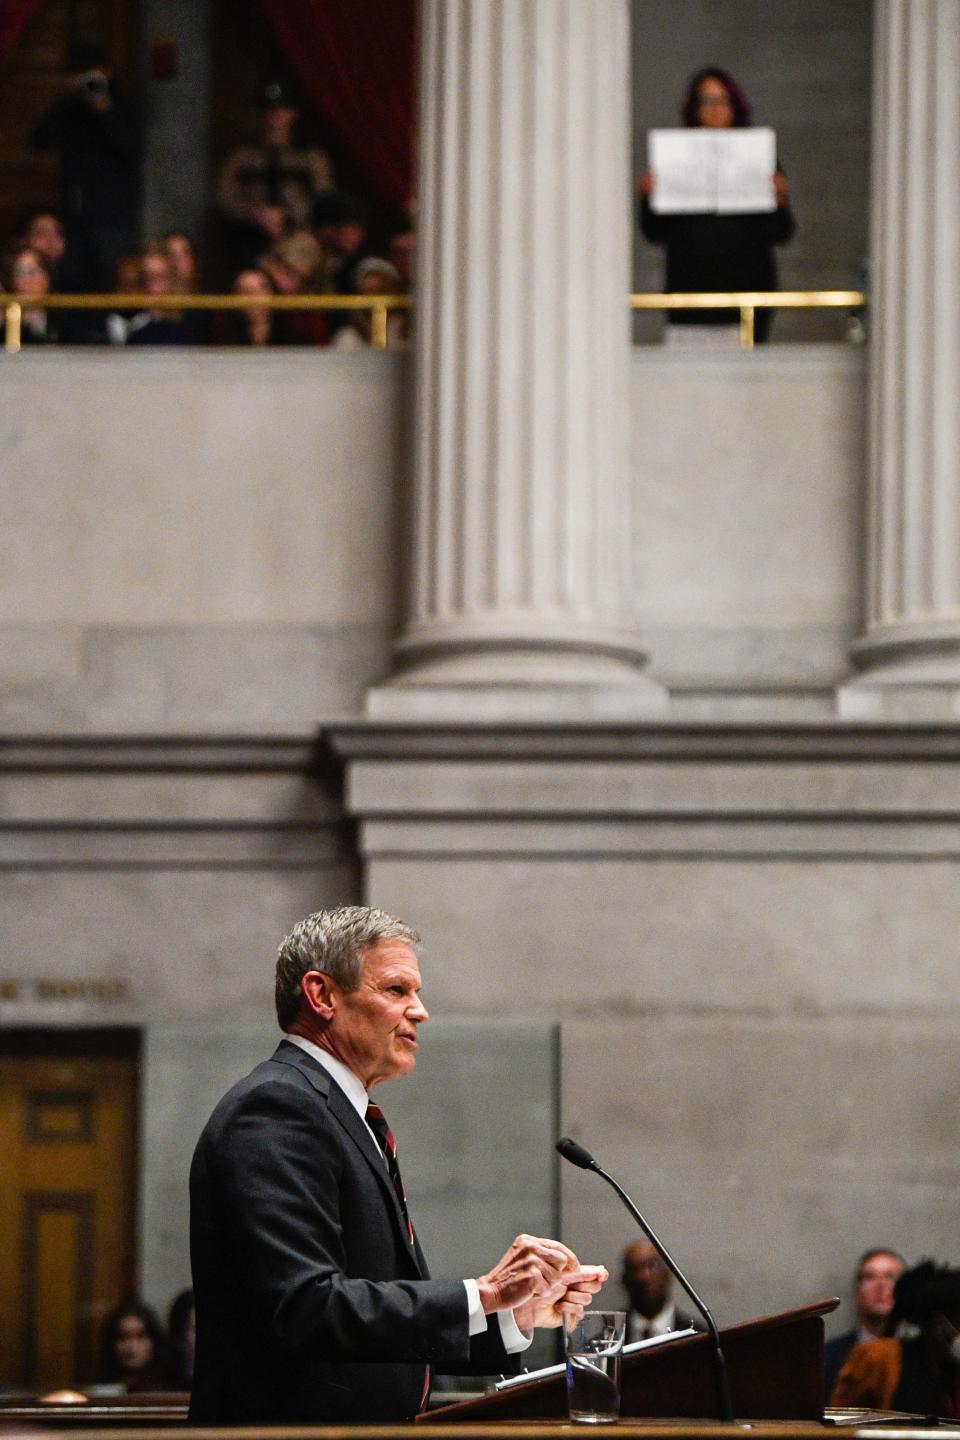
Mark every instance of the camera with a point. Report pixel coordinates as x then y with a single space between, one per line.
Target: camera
94 82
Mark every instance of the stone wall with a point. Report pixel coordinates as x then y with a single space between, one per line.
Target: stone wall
217 546
744 929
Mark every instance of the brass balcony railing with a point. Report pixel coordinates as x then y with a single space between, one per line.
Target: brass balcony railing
379 307
747 302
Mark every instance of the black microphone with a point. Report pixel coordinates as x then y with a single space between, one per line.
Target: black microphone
577 1155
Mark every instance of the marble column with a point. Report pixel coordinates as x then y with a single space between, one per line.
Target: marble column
520 557
909 654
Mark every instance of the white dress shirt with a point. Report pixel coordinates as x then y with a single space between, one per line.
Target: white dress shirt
514 1340
640 1328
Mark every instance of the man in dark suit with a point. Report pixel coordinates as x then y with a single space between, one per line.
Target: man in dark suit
314 1303
649 1285
876 1275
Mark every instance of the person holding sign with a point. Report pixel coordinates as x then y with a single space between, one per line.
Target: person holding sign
717 202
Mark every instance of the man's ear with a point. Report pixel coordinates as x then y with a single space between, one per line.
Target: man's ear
319 993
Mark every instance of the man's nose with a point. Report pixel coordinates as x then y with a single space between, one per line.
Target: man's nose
418 1013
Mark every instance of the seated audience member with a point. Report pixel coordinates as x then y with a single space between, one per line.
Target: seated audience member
259 325
707 250
401 252
96 133
185 274
182 255
269 187
151 327
127 275
133 1349
296 266
921 1374
373 277
340 225
649 1284
181 1340
878 1270
27 275
42 231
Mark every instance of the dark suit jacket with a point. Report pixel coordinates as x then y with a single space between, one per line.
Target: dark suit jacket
313 1307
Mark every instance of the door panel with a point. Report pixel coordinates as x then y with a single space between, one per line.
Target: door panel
67 1156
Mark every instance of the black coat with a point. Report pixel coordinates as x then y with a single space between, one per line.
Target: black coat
313 1306
718 252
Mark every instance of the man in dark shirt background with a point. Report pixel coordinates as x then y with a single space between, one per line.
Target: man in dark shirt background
94 129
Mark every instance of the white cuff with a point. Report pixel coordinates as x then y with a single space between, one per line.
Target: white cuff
477 1319
512 1336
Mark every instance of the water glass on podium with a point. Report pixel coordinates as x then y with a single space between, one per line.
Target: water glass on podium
594 1347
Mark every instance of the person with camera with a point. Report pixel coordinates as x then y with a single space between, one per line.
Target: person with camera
94 129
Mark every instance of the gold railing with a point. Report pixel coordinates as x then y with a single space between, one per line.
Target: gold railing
748 302
379 306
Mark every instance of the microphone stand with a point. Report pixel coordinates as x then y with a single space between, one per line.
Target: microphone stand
586 1162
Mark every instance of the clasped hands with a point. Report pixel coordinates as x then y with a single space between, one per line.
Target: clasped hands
542 1282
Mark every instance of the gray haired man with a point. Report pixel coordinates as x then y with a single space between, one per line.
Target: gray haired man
314 1302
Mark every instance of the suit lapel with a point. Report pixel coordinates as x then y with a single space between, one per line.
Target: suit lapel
346 1116
344 1112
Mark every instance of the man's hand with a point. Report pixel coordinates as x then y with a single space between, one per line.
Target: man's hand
530 1269
565 1303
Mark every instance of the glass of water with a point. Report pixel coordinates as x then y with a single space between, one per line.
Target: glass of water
594 1347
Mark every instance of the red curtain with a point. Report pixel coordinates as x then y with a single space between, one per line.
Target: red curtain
14 14
354 62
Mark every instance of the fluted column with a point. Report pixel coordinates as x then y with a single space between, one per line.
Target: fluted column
910 652
520 564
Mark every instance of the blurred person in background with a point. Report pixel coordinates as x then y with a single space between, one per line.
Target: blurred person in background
296 265
401 252
151 327
133 1349
340 225
878 1271
43 231
373 277
269 187
25 273
185 277
182 254
181 1341
649 1284
94 130
257 326
707 250
920 1374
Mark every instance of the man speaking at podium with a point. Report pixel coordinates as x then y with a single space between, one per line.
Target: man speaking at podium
314 1303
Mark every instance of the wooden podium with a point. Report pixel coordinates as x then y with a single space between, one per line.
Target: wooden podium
775 1365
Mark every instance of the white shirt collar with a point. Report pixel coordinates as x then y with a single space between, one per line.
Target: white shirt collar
351 1085
660 1324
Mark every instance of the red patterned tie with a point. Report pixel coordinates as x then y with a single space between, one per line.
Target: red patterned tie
385 1139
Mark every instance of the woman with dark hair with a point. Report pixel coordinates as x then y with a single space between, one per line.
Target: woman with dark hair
25 273
713 89
133 1348
921 1374
710 251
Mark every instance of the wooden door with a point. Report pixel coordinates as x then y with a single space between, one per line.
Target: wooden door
67 1255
